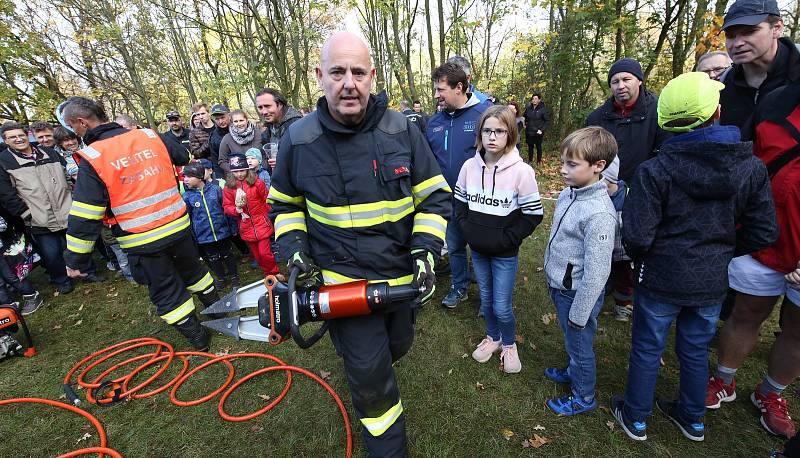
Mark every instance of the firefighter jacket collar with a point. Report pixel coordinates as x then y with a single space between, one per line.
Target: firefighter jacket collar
376 107
99 132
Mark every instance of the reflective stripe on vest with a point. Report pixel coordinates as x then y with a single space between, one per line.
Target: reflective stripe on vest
138 173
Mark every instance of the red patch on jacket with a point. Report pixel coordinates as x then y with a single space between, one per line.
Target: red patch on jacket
401 170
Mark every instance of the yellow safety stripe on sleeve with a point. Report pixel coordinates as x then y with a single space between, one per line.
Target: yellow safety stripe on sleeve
179 313
379 425
277 196
333 278
87 211
427 187
76 245
362 215
430 223
134 240
201 285
285 222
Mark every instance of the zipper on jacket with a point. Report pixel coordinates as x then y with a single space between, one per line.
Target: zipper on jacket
558 226
211 222
447 145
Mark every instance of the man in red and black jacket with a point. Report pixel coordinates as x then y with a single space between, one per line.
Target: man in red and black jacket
761 278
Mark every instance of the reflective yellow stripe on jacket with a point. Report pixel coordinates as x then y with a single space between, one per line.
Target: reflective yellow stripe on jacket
333 278
285 222
134 240
362 215
379 425
277 196
427 187
87 211
430 223
76 245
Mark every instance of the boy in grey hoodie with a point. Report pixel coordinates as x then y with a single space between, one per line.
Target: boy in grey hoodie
577 261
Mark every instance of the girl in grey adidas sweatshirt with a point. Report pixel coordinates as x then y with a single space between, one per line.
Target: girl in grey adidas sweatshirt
578 262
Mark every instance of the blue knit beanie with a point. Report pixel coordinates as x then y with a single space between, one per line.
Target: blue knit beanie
628 65
254 153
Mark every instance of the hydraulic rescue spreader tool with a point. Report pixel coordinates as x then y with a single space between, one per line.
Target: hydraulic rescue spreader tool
11 320
283 307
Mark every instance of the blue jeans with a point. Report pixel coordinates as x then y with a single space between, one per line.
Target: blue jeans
51 246
694 330
496 284
579 343
457 252
122 260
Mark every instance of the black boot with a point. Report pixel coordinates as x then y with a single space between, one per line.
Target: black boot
195 333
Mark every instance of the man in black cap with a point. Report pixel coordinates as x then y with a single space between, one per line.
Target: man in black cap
221 116
176 134
762 60
631 117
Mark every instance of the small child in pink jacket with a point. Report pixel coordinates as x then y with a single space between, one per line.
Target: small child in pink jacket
497 205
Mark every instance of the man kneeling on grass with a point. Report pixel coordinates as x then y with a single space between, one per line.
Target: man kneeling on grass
679 227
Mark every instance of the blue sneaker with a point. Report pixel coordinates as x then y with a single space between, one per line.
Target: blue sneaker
557 375
694 431
568 405
454 297
636 430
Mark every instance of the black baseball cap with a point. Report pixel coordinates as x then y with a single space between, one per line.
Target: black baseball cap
173 115
219 109
750 12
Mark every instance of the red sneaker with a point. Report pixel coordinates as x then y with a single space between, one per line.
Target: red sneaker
718 392
774 413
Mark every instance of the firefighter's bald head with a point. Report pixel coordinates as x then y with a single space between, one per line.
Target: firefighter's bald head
345 75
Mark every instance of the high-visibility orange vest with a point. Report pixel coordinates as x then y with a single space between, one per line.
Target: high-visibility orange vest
137 171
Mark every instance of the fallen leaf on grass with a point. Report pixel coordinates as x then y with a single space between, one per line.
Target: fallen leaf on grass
265 397
507 434
224 352
80 308
539 269
605 409
537 441
520 339
55 293
533 346
479 386
663 363
56 327
256 428
78 323
611 425
525 279
450 372
464 355
324 375
83 438
548 317
538 428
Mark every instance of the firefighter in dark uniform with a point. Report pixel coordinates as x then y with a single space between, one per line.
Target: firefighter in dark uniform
357 192
125 179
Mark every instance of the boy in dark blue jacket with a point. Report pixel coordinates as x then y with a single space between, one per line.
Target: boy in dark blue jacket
209 223
679 227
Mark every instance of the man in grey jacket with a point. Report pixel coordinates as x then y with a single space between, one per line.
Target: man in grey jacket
279 115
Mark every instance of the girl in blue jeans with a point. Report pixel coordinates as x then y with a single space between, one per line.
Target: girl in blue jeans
497 205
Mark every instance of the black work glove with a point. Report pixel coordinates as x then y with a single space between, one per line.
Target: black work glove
304 263
424 277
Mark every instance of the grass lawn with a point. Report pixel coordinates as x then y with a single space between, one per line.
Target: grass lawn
455 406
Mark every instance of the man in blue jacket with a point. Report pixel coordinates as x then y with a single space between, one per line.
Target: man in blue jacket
451 134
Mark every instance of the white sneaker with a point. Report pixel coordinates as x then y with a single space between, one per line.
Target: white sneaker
510 359
486 349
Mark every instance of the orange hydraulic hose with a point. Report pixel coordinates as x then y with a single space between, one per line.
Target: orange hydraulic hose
101 432
120 390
